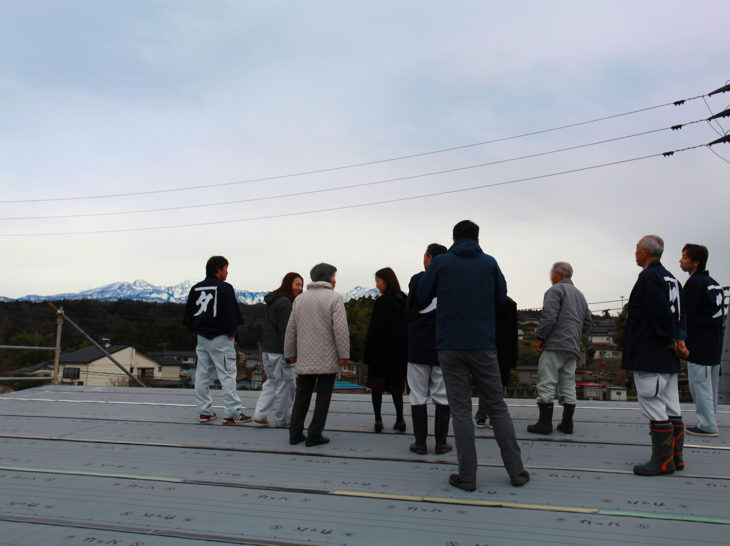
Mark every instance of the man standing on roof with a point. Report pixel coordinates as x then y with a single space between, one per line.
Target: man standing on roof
652 330
425 379
212 313
507 353
470 287
703 309
563 321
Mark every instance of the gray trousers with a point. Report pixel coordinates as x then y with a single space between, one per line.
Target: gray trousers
458 368
556 368
216 356
703 382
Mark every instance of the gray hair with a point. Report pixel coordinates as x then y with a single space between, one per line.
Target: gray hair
564 268
322 272
654 244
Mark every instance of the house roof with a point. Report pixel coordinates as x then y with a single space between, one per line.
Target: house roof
347 385
34 367
167 361
187 354
588 384
89 354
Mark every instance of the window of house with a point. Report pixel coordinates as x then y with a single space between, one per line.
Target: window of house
159 369
71 373
145 372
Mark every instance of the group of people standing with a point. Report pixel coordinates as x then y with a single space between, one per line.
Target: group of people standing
455 330
664 322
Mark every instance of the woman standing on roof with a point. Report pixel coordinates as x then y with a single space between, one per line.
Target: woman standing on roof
277 392
386 347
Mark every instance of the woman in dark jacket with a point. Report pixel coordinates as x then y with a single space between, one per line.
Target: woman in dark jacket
386 347
277 392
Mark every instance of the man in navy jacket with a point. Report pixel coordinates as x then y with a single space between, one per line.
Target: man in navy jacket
703 311
425 379
470 286
212 313
652 330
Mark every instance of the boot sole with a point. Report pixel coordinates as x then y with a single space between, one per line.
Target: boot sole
638 473
546 432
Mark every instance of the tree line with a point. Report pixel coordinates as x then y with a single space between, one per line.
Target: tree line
155 327
150 327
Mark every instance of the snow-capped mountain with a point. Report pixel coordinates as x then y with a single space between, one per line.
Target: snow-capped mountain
361 292
141 290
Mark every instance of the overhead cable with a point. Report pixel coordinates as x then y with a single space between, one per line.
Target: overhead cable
345 207
350 186
361 164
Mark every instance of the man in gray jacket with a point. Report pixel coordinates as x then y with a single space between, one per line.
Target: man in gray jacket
564 319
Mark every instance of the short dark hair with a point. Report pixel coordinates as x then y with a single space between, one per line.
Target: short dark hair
286 285
466 229
434 249
214 265
391 281
697 253
322 272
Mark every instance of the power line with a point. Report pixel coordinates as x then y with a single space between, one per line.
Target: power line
372 203
346 207
351 186
361 164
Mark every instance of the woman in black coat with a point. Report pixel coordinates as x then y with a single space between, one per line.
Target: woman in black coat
386 347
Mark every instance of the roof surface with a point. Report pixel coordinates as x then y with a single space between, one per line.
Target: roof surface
85 465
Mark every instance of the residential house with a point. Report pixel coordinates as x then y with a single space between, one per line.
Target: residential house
178 365
91 367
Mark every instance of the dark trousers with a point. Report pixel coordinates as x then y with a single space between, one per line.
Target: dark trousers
303 397
458 368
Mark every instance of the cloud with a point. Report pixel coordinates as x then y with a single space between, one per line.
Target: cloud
106 97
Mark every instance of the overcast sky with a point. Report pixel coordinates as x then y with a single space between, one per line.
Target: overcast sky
106 98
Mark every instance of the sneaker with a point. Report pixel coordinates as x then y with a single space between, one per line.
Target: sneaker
205 418
481 422
263 422
400 426
294 440
697 431
237 419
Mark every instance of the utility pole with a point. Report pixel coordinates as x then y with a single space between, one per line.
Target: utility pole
57 353
95 344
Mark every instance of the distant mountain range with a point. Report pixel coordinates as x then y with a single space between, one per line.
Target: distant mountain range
141 290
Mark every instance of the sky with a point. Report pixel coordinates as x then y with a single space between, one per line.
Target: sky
112 111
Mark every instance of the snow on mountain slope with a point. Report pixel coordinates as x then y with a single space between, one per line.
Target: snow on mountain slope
141 290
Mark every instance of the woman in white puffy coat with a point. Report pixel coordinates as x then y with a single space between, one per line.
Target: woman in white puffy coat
318 341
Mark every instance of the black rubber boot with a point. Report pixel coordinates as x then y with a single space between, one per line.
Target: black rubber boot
662 450
420 429
678 442
566 425
544 423
441 429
